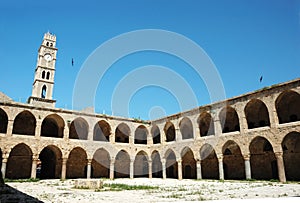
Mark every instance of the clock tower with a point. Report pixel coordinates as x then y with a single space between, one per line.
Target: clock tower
44 73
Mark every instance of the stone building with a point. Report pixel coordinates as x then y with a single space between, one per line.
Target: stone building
251 136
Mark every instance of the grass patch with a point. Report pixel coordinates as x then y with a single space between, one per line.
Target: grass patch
120 187
21 180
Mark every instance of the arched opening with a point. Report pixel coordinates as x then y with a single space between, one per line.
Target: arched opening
122 165
24 124
186 128
209 162
206 124
287 106
171 165
140 135
3 121
19 162
102 131
48 75
43 74
229 120
169 132
256 114
76 163
51 45
156 165
233 161
291 156
101 164
188 164
122 133
47 44
79 129
155 132
141 167
262 159
43 94
53 126
51 163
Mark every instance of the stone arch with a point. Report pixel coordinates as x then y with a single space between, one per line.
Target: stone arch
53 126
155 132
156 165
122 165
170 131
79 129
287 106
206 124
209 162
233 161
291 156
24 123
171 164
76 163
51 162
141 166
19 162
140 135
102 131
256 114
229 120
3 121
122 133
262 159
101 164
186 128
189 170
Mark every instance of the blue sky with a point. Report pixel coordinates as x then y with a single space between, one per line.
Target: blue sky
245 39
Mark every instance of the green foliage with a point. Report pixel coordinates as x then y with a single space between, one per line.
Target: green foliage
21 180
120 187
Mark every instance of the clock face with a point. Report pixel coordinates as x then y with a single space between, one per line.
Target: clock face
48 57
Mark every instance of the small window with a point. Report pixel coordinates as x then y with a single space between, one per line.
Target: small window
44 92
48 75
47 44
43 74
51 45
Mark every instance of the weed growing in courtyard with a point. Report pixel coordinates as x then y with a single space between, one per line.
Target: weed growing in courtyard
120 187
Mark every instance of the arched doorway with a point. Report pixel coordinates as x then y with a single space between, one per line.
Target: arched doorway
171 165
122 133
101 164
256 114
188 164
155 132
291 156
262 159
19 162
102 131
156 165
140 135
24 124
79 129
206 124
170 132
53 126
287 107
51 162
209 162
76 163
122 165
186 128
141 167
3 121
229 120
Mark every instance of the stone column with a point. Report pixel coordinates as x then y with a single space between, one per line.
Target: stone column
217 125
199 172
280 165
150 168
274 121
3 168
242 120
33 166
38 128
221 171
10 126
89 168
131 169
112 169
64 168
179 163
247 166
164 172
66 132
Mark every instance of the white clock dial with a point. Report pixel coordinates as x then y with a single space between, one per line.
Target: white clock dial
48 57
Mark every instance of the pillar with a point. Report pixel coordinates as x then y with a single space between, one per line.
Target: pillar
150 168
199 172
89 168
112 169
131 175
64 168
3 168
33 166
280 165
10 126
247 167
221 171
164 173
179 163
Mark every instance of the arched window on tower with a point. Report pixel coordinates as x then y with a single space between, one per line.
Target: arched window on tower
44 92
48 75
47 44
51 45
43 74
